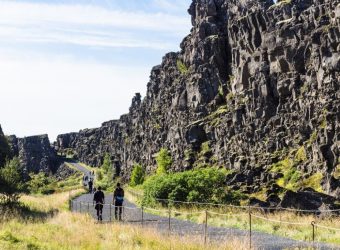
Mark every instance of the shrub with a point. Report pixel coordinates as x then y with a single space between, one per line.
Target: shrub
11 181
137 175
164 161
182 68
38 183
199 185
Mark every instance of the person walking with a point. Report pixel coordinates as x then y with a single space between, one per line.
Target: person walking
99 200
90 183
118 199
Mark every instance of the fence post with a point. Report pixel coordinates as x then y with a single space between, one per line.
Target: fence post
169 220
206 227
250 245
142 216
313 231
110 212
280 212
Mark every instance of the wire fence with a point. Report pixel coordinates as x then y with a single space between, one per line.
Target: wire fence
167 220
266 209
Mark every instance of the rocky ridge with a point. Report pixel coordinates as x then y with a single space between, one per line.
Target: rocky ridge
35 154
255 88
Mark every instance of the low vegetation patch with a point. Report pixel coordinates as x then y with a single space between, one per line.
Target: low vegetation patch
199 185
182 68
44 184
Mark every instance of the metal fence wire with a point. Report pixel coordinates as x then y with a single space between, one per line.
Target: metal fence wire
168 219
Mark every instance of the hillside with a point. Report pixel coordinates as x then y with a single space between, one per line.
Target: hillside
255 89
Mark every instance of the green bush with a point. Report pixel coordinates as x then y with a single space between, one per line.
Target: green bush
137 175
39 183
199 185
11 181
163 160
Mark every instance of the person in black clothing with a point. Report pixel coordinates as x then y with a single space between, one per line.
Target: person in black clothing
90 183
99 199
118 199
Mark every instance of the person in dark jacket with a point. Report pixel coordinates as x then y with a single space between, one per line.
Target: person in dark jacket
118 199
90 183
99 199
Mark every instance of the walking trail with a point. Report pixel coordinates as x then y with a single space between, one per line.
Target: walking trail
133 214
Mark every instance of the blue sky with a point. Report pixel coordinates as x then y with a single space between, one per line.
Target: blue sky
68 65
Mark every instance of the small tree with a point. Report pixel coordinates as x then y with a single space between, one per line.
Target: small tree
12 183
107 166
163 160
5 151
137 175
107 163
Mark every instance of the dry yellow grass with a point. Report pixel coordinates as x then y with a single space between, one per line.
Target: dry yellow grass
68 230
46 203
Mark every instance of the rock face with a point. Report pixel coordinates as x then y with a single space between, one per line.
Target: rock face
255 83
63 172
35 154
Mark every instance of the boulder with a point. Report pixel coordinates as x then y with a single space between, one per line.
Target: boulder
308 199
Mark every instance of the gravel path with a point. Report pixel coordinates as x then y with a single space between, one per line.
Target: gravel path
133 214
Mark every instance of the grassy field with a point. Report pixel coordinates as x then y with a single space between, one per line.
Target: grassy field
61 229
238 218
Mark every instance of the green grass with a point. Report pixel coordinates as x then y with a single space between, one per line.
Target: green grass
301 155
314 181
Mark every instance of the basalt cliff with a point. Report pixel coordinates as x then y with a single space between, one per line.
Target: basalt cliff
35 154
255 88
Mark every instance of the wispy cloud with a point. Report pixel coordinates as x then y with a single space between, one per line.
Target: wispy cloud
79 24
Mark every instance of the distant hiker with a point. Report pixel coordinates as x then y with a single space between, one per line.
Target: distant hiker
118 199
99 199
90 186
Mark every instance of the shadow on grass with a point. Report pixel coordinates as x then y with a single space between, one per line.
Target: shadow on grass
21 212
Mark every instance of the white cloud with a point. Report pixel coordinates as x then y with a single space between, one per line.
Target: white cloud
32 18
23 13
